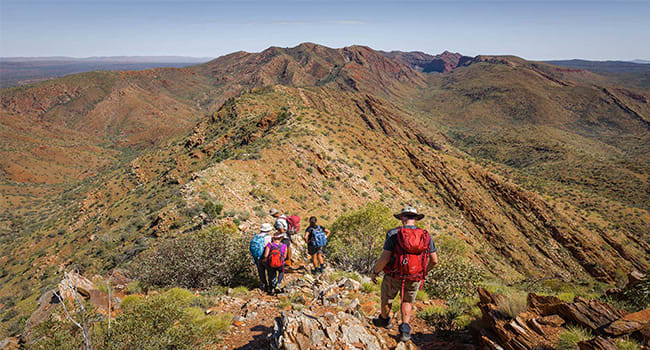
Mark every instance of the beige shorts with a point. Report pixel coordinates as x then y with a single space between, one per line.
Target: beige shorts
390 287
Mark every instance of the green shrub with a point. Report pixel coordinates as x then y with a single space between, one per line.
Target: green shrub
632 299
134 287
453 278
443 319
358 236
212 210
639 294
57 332
369 287
626 343
422 295
214 256
513 303
569 340
336 276
163 321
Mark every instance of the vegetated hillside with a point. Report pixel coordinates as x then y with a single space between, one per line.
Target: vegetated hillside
89 122
543 173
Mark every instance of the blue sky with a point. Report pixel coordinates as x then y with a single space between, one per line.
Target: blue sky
533 30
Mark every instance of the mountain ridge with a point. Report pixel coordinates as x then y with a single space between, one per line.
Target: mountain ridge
540 169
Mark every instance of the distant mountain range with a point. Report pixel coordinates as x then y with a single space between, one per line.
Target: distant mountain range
637 66
24 70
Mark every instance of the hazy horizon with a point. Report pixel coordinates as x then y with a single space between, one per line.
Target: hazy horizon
532 30
197 58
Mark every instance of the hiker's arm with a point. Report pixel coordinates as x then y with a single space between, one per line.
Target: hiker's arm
266 252
306 236
433 260
380 264
327 233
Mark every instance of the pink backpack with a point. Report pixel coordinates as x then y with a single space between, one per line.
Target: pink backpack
293 223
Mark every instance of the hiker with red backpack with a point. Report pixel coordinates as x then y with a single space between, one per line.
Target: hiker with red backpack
409 254
275 254
287 226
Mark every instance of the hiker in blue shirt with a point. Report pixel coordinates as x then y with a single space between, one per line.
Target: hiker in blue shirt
316 238
257 246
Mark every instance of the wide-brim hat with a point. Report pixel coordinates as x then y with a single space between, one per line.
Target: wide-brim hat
273 211
409 211
266 227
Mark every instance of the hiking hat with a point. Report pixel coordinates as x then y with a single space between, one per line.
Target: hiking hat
273 211
266 227
409 211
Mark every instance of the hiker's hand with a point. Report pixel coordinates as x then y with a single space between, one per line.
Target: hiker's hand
373 277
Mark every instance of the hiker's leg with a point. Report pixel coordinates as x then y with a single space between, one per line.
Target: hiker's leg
389 288
289 253
271 276
261 272
410 294
320 257
314 260
280 277
406 312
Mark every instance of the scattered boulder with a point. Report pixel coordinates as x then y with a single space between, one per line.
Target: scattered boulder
299 330
633 278
598 343
524 331
629 324
592 314
544 305
542 323
349 284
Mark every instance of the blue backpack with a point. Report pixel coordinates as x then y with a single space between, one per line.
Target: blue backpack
257 247
319 239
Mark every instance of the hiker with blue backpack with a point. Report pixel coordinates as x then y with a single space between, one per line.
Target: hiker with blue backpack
258 243
316 238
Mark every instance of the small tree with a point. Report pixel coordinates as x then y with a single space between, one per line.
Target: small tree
358 236
213 256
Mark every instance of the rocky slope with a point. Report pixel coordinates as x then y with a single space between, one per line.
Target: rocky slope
420 61
542 171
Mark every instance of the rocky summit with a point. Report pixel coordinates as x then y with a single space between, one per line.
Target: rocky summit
531 174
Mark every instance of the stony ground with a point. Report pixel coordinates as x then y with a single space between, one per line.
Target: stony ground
340 304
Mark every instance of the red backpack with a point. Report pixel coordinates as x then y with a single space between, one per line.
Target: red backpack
410 255
276 258
293 223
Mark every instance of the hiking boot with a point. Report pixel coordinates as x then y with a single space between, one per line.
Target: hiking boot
404 332
382 322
